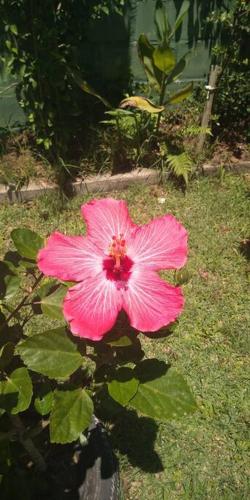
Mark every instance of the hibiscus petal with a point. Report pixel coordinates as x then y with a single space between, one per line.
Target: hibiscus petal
161 244
91 307
70 258
106 218
150 302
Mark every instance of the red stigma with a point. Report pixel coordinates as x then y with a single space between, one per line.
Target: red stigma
117 250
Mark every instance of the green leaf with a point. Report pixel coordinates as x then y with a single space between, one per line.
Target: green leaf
71 414
161 22
121 342
123 386
120 113
9 282
181 165
50 353
16 391
164 397
14 269
12 284
52 304
86 87
178 69
182 276
13 29
164 59
183 11
44 400
6 354
141 103
182 94
8 44
145 53
27 242
46 287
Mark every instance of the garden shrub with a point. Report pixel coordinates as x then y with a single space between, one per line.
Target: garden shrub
41 41
232 32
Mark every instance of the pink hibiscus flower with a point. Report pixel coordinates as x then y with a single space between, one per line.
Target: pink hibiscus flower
115 268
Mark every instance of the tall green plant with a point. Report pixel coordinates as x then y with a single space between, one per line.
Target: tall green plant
159 62
162 69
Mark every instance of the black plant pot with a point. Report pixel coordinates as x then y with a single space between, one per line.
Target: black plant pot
99 466
74 472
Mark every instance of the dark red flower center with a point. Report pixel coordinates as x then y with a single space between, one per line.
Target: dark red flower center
118 264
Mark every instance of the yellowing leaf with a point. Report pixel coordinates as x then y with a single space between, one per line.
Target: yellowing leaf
141 103
164 59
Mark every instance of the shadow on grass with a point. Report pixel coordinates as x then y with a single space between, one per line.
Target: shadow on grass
134 437
245 248
131 435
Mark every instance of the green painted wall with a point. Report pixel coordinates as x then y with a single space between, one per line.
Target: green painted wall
110 54
10 111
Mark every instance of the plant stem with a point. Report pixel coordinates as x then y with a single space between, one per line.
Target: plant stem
28 443
138 138
162 95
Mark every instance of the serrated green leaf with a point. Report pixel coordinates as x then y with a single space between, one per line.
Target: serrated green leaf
123 386
71 414
16 391
6 354
141 103
165 397
51 305
27 242
44 400
50 353
182 94
164 59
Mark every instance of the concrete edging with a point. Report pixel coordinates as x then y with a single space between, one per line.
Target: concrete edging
107 183
241 167
95 184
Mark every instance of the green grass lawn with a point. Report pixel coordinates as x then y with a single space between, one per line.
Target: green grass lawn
203 456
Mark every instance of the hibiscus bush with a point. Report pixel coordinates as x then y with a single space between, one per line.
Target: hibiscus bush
102 290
